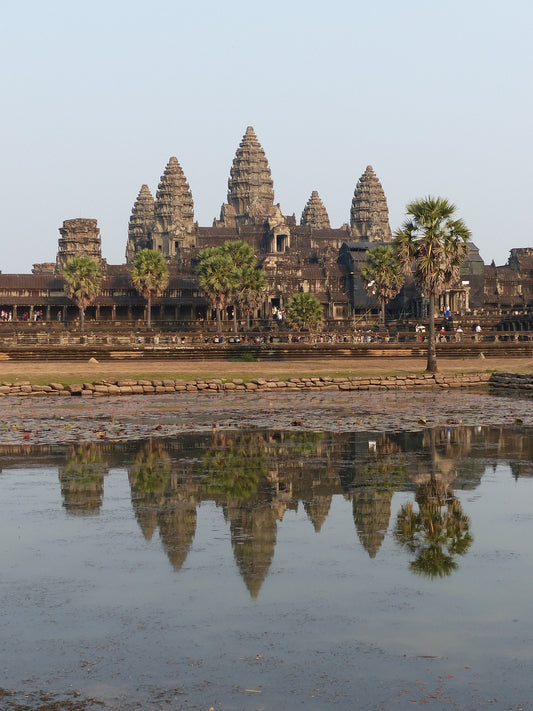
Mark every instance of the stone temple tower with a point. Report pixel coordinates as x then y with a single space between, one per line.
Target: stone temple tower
174 227
315 214
369 216
79 238
141 224
250 186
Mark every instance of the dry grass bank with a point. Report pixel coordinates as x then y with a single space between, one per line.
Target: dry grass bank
42 372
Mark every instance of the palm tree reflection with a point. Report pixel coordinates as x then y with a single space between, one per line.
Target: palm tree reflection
82 479
232 468
436 531
162 499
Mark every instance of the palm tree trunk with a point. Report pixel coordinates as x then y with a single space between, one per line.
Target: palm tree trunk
235 318
219 320
149 313
382 312
82 319
432 347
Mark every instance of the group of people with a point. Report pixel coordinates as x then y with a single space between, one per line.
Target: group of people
279 313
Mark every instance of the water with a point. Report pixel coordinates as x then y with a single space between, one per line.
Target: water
269 570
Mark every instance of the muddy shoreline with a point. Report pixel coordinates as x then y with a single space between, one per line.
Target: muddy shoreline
60 421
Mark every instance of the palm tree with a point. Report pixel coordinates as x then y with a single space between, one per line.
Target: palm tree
382 275
243 260
304 310
149 276
216 278
248 281
83 279
432 245
252 286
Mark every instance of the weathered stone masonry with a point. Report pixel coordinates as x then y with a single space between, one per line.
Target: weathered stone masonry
102 388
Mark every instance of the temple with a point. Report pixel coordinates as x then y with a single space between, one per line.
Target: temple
311 256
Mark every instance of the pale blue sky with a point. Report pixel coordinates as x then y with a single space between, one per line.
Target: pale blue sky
435 94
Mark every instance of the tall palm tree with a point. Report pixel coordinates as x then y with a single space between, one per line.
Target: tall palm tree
382 275
83 279
149 275
216 278
243 263
432 245
252 286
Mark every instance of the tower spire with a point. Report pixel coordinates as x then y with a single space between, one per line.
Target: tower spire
369 216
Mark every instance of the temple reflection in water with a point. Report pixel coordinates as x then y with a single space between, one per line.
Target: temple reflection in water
254 477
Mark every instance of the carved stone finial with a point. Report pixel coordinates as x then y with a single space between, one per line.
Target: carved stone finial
369 216
250 185
315 214
141 223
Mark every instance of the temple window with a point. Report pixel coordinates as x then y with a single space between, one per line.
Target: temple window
282 243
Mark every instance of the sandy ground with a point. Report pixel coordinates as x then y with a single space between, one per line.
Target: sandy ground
72 371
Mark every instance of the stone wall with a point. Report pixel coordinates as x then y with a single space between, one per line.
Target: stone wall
513 381
108 387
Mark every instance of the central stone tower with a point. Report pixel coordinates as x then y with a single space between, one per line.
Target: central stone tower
250 186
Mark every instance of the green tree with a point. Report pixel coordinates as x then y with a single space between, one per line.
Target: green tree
382 275
304 310
215 275
149 276
228 274
432 245
243 263
83 279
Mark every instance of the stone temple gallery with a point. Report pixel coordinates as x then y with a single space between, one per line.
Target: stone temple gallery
305 255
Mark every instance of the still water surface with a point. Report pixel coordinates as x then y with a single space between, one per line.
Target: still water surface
270 570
